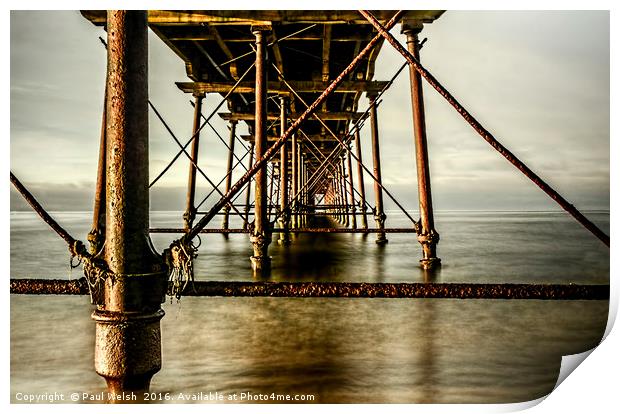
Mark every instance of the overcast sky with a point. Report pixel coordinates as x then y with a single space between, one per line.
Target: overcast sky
539 81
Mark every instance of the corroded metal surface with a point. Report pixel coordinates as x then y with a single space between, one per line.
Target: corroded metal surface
295 230
428 236
339 289
127 218
127 335
49 287
360 177
261 237
376 162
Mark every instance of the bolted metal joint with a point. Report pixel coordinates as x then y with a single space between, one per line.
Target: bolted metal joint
380 218
189 216
429 238
96 239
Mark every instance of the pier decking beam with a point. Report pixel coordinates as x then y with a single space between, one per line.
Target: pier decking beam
360 177
276 87
271 116
351 193
285 216
128 313
190 210
229 167
428 237
261 236
376 162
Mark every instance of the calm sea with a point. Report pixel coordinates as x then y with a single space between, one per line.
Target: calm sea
336 349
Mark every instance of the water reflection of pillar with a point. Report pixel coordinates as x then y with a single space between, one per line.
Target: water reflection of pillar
428 237
128 338
317 362
376 161
425 320
261 234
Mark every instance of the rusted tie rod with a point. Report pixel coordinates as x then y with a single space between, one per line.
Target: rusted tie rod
282 140
75 246
486 135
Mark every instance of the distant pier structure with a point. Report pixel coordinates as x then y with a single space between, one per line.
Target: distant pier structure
268 67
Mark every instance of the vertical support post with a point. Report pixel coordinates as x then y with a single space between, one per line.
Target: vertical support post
246 223
231 153
376 162
427 237
127 334
285 215
351 193
190 210
338 186
306 193
345 198
300 185
360 177
294 181
261 235
270 198
96 237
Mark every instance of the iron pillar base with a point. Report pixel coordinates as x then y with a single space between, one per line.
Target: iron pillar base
127 349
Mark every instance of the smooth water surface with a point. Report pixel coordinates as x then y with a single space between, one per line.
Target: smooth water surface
339 350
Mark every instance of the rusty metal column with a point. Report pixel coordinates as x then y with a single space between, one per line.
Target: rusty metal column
428 237
128 338
376 163
345 197
294 181
360 177
231 154
190 210
338 195
351 193
285 215
306 193
302 201
261 235
271 179
249 190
